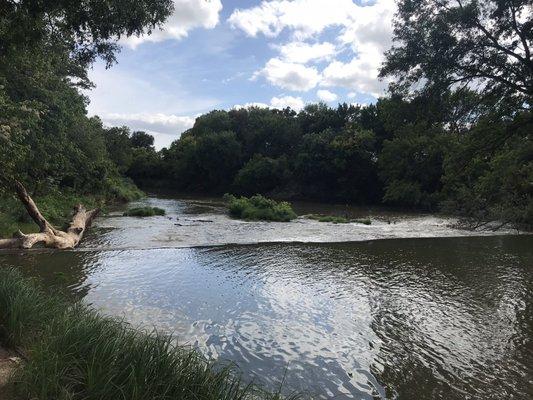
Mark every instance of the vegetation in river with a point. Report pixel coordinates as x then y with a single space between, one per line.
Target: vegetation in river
76 353
144 212
453 134
336 219
259 208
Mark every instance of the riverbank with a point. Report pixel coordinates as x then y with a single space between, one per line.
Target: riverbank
74 352
57 206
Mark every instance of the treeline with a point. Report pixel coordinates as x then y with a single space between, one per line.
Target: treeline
47 141
422 154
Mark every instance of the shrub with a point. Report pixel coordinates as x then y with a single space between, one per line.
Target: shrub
259 208
144 212
75 353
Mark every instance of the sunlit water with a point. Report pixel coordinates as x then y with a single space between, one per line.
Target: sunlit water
417 318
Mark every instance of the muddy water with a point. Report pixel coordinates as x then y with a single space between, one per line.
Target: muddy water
422 317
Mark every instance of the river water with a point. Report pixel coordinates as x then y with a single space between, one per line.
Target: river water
406 307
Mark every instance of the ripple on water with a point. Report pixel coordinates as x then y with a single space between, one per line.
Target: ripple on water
429 318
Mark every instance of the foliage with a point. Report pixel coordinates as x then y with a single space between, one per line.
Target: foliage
141 140
399 152
259 208
204 162
75 353
144 212
261 175
56 205
488 174
411 166
47 141
483 44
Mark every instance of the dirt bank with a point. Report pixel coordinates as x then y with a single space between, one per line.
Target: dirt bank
8 362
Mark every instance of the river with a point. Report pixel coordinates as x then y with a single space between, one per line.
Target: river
406 307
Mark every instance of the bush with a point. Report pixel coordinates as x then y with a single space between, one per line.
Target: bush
259 208
75 353
144 212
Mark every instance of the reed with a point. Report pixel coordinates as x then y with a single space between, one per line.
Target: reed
73 352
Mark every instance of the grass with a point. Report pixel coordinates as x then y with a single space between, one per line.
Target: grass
144 212
57 206
337 219
259 208
74 353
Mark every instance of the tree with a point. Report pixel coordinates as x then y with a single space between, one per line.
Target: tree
85 30
486 44
411 166
142 140
261 175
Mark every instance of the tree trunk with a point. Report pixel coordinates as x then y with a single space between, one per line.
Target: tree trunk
48 235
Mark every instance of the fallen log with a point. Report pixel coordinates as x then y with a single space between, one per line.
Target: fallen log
48 235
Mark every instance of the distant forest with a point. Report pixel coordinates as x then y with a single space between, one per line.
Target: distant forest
453 134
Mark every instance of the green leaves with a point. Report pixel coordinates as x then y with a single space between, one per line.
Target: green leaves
485 45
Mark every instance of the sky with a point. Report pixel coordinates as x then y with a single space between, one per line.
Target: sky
220 54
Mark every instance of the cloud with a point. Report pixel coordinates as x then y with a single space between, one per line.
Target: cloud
165 128
303 17
326 95
365 29
121 91
159 122
251 104
301 52
360 74
187 15
296 103
288 75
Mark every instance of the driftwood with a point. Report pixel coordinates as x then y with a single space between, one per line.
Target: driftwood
48 235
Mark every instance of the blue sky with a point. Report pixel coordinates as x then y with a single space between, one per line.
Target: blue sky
215 54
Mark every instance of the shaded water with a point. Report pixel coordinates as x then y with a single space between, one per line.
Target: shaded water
431 318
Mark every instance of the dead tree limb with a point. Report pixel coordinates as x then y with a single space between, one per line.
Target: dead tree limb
48 235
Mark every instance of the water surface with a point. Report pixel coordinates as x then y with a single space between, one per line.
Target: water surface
425 318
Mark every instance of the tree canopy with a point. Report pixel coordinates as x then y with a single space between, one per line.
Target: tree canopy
485 45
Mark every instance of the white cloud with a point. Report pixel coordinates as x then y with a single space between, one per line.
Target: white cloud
165 128
288 75
187 15
360 75
251 104
301 52
365 29
296 103
119 91
304 17
326 95
351 95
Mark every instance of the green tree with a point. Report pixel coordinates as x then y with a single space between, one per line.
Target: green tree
142 140
261 175
411 166
483 44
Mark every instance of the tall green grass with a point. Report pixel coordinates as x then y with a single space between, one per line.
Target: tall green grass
73 353
258 208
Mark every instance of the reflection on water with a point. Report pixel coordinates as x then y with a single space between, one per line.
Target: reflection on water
447 318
